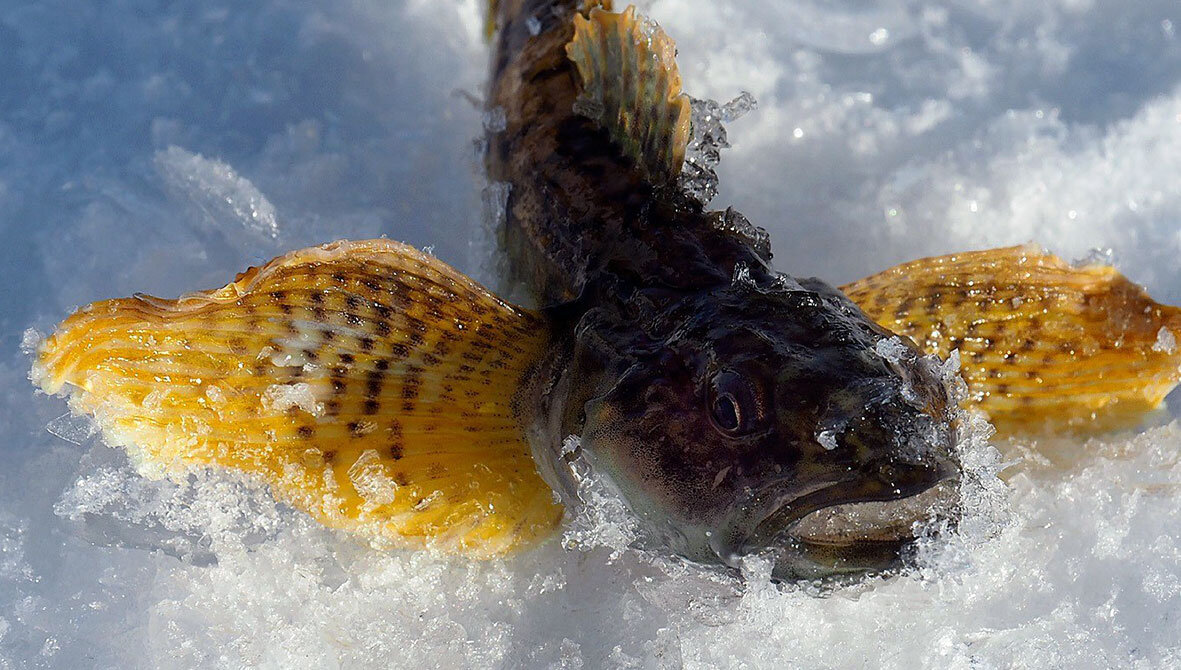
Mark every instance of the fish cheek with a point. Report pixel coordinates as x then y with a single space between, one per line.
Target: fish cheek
652 454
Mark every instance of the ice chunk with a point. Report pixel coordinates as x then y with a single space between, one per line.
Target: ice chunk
893 350
372 482
494 120
827 439
1097 256
483 247
278 398
708 138
72 428
732 221
741 275
31 339
224 197
1166 342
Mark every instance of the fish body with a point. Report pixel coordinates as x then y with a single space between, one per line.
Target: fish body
695 373
736 409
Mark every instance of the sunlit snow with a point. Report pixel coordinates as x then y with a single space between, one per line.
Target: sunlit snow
164 147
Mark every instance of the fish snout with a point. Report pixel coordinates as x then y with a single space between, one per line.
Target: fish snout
886 426
890 457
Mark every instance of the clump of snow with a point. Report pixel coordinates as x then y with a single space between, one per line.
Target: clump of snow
600 518
279 398
1166 341
217 190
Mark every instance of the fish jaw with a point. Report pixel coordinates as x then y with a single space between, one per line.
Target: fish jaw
862 525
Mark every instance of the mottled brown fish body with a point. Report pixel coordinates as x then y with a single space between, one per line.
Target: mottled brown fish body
552 195
697 376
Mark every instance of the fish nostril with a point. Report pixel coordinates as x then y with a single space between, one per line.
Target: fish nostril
888 473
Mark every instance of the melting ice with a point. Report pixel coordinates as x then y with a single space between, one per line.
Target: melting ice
882 134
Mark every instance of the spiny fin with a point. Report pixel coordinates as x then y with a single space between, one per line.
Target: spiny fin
1044 344
367 383
631 86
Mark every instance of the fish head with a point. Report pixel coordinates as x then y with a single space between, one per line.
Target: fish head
776 417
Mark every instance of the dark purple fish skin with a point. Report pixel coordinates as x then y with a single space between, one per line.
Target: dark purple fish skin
698 377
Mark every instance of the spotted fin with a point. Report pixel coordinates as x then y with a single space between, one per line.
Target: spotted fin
1044 344
367 383
631 86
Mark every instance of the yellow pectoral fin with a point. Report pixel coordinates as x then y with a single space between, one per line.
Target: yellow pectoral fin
1043 344
367 383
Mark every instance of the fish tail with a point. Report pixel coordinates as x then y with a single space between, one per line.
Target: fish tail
1043 344
366 383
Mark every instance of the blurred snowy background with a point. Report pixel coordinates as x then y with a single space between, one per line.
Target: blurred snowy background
162 147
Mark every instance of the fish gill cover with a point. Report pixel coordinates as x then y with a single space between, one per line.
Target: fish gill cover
882 134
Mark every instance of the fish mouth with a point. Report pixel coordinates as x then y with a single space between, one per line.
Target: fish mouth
853 526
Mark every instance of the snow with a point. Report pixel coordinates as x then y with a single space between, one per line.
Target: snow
220 193
279 398
371 481
163 148
1166 341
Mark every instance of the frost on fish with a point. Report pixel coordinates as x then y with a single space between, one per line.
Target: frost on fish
1043 343
364 382
707 138
601 518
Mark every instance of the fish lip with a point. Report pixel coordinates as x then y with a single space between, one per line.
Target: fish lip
802 556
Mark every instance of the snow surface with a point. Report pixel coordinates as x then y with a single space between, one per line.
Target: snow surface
162 147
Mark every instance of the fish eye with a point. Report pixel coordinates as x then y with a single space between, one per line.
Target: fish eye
735 405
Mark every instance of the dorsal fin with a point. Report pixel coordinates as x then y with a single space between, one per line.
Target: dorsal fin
632 88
